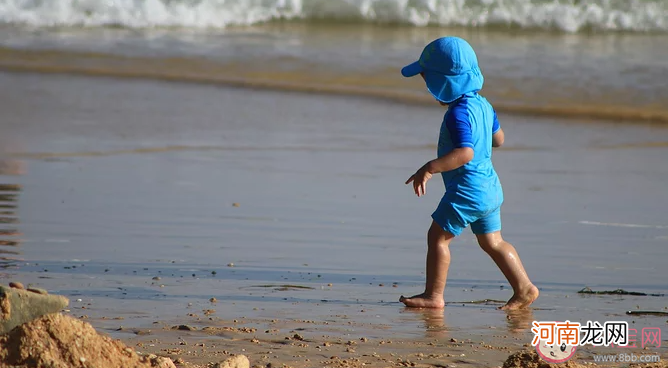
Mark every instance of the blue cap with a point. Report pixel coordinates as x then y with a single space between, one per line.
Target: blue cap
450 68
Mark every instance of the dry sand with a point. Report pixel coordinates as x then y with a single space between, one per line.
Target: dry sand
60 340
204 340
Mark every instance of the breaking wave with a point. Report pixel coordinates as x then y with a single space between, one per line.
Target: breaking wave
563 15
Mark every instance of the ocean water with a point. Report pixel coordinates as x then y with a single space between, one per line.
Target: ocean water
604 59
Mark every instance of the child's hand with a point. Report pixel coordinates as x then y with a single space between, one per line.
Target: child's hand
419 180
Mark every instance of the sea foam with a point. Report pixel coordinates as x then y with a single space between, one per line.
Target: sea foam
563 15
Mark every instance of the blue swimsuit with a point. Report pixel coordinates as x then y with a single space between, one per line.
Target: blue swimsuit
473 193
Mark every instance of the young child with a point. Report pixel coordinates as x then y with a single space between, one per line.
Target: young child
473 195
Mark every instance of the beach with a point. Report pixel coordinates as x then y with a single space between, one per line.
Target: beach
247 184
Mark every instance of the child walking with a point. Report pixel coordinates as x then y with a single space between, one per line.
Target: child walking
473 193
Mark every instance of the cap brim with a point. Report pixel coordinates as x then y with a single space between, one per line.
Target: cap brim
411 70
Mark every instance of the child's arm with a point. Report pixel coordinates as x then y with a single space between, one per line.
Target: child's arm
459 127
457 158
498 138
453 160
497 133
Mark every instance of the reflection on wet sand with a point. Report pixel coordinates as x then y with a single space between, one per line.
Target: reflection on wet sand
519 321
434 321
9 195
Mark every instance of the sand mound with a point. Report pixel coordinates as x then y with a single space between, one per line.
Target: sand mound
531 359
59 341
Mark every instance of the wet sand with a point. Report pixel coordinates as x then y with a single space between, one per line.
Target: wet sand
233 194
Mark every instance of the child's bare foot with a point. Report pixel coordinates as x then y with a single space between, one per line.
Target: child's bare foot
522 299
423 301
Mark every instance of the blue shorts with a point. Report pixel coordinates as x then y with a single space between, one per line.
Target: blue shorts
456 212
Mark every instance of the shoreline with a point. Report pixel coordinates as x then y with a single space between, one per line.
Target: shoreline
305 80
202 339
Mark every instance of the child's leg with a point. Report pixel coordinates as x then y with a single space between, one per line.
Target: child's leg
438 262
506 258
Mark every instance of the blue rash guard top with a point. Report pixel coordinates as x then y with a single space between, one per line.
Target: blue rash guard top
474 188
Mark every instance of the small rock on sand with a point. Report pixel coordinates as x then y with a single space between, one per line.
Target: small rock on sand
159 362
237 361
19 306
183 328
16 285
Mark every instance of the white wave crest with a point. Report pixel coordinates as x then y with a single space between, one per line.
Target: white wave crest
564 15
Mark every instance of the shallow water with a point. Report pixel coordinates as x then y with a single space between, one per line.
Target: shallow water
122 181
613 76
